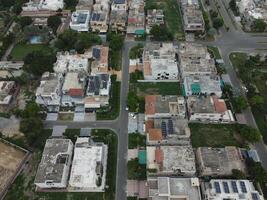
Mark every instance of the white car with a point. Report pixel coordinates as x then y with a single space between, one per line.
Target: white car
126 108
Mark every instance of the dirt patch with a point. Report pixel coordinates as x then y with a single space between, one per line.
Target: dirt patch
10 159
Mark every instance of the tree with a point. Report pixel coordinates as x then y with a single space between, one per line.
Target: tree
213 14
132 101
218 23
70 4
238 174
115 41
240 103
256 171
32 128
66 40
258 25
249 134
25 21
38 62
233 7
136 51
257 100
54 22
160 33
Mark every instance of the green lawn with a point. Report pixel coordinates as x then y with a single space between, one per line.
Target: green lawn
136 140
161 88
215 51
112 111
21 50
136 170
212 135
23 187
172 14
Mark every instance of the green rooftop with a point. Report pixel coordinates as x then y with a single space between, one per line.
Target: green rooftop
140 32
142 157
195 88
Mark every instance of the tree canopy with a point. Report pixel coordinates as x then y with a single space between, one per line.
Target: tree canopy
24 21
54 22
71 39
258 25
160 33
38 62
217 22
249 134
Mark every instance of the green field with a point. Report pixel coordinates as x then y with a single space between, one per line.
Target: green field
172 14
21 50
212 135
160 88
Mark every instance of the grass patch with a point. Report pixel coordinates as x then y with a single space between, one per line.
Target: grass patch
19 52
136 170
72 134
113 109
215 52
213 135
136 140
161 88
66 116
5 115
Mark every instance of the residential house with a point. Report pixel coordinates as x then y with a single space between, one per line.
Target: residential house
154 17
171 160
202 85
163 188
7 89
100 61
53 170
219 161
194 59
97 93
80 20
99 21
73 89
164 106
136 18
159 62
230 189
53 5
118 20
119 5
48 94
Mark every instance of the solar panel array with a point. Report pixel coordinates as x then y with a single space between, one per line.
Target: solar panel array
234 186
255 196
96 53
243 187
164 129
170 126
226 187
217 187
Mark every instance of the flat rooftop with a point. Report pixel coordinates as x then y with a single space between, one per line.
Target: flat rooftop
219 161
80 17
164 188
162 159
49 83
72 81
87 162
164 104
56 154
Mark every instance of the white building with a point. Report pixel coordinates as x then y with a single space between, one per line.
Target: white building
67 62
119 5
206 85
80 20
6 91
88 172
208 109
43 5
218 189
102 5
73 89
53 170
159 62
49 92
164 188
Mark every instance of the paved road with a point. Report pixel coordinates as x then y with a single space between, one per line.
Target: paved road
120 125
237 40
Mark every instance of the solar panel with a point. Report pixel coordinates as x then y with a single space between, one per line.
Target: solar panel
226 187
234 186
82 18
217 187
164 129
170 126
96 53
255 196
243 187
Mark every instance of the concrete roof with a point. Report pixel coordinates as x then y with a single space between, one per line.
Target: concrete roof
55 155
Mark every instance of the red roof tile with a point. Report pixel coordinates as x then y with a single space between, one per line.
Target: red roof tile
219 104
75 92
150 104
159 156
